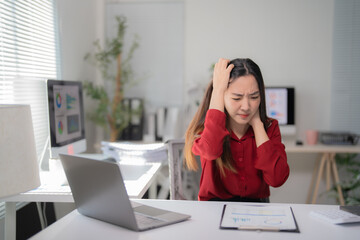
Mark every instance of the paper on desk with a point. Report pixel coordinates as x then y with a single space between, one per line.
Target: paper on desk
258 217
148 152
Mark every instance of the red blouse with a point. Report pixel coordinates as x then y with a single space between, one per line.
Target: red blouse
257 167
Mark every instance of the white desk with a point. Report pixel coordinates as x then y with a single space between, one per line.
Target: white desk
327 160
204 224
137 179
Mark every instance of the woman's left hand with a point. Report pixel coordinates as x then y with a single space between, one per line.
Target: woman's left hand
258 128
255 119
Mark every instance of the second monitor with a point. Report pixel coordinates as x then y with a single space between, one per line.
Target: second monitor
280 104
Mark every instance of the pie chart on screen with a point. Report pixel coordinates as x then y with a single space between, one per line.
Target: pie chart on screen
60 127
58 100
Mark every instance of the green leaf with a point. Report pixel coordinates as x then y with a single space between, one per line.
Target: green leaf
104 58
351 187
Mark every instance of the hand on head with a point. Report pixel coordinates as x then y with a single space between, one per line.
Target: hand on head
222 74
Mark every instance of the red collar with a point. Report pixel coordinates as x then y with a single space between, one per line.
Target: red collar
249 134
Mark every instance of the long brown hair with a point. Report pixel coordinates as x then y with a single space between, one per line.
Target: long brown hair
242 67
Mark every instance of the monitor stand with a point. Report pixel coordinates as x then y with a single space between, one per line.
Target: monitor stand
57 172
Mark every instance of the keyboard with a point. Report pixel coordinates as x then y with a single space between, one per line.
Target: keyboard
351 209
336 216
144 220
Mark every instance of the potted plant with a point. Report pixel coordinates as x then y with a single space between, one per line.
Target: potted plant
351 184
111 111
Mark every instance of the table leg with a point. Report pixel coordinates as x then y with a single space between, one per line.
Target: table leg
10 221
316 166
41 217
328 173
337 179
153 190
321 168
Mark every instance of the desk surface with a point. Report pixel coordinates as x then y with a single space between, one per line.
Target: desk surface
204 224
137 179
321 148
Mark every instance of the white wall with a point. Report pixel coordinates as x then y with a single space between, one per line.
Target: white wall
80 24
159 57
290 40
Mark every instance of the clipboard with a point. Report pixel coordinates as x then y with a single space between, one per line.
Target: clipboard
258 218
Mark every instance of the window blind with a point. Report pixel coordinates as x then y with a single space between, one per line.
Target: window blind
28 56
345 85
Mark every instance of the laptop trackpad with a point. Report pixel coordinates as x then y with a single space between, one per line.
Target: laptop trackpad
150 211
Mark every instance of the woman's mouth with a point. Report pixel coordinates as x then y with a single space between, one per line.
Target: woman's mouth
243 115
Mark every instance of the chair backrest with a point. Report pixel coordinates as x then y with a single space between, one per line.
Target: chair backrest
184 184
175 156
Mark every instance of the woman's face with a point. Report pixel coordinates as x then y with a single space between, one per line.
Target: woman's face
242 99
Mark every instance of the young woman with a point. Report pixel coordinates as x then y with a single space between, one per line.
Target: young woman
240 148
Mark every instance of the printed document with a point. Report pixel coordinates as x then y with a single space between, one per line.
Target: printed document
258 217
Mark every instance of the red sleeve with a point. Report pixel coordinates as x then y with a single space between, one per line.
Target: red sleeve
210 143
272 159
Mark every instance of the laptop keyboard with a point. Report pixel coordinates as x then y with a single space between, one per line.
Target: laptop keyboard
144 220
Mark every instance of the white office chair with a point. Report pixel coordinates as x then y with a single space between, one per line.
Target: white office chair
184 184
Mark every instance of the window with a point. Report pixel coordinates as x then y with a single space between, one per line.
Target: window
28 56
345 114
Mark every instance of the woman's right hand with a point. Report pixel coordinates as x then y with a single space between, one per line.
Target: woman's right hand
221 79
221 74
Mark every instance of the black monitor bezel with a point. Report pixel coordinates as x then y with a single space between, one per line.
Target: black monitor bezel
290 106
50 96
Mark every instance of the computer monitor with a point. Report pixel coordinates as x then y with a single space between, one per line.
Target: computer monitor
280 104
66 117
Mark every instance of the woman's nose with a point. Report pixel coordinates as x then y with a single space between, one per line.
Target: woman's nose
245 106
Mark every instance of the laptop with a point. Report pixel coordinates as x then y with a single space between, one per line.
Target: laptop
99 192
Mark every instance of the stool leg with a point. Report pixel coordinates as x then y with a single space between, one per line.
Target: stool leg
321 168
337 179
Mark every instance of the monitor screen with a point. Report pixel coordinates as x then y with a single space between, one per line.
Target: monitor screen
280 105
66 116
